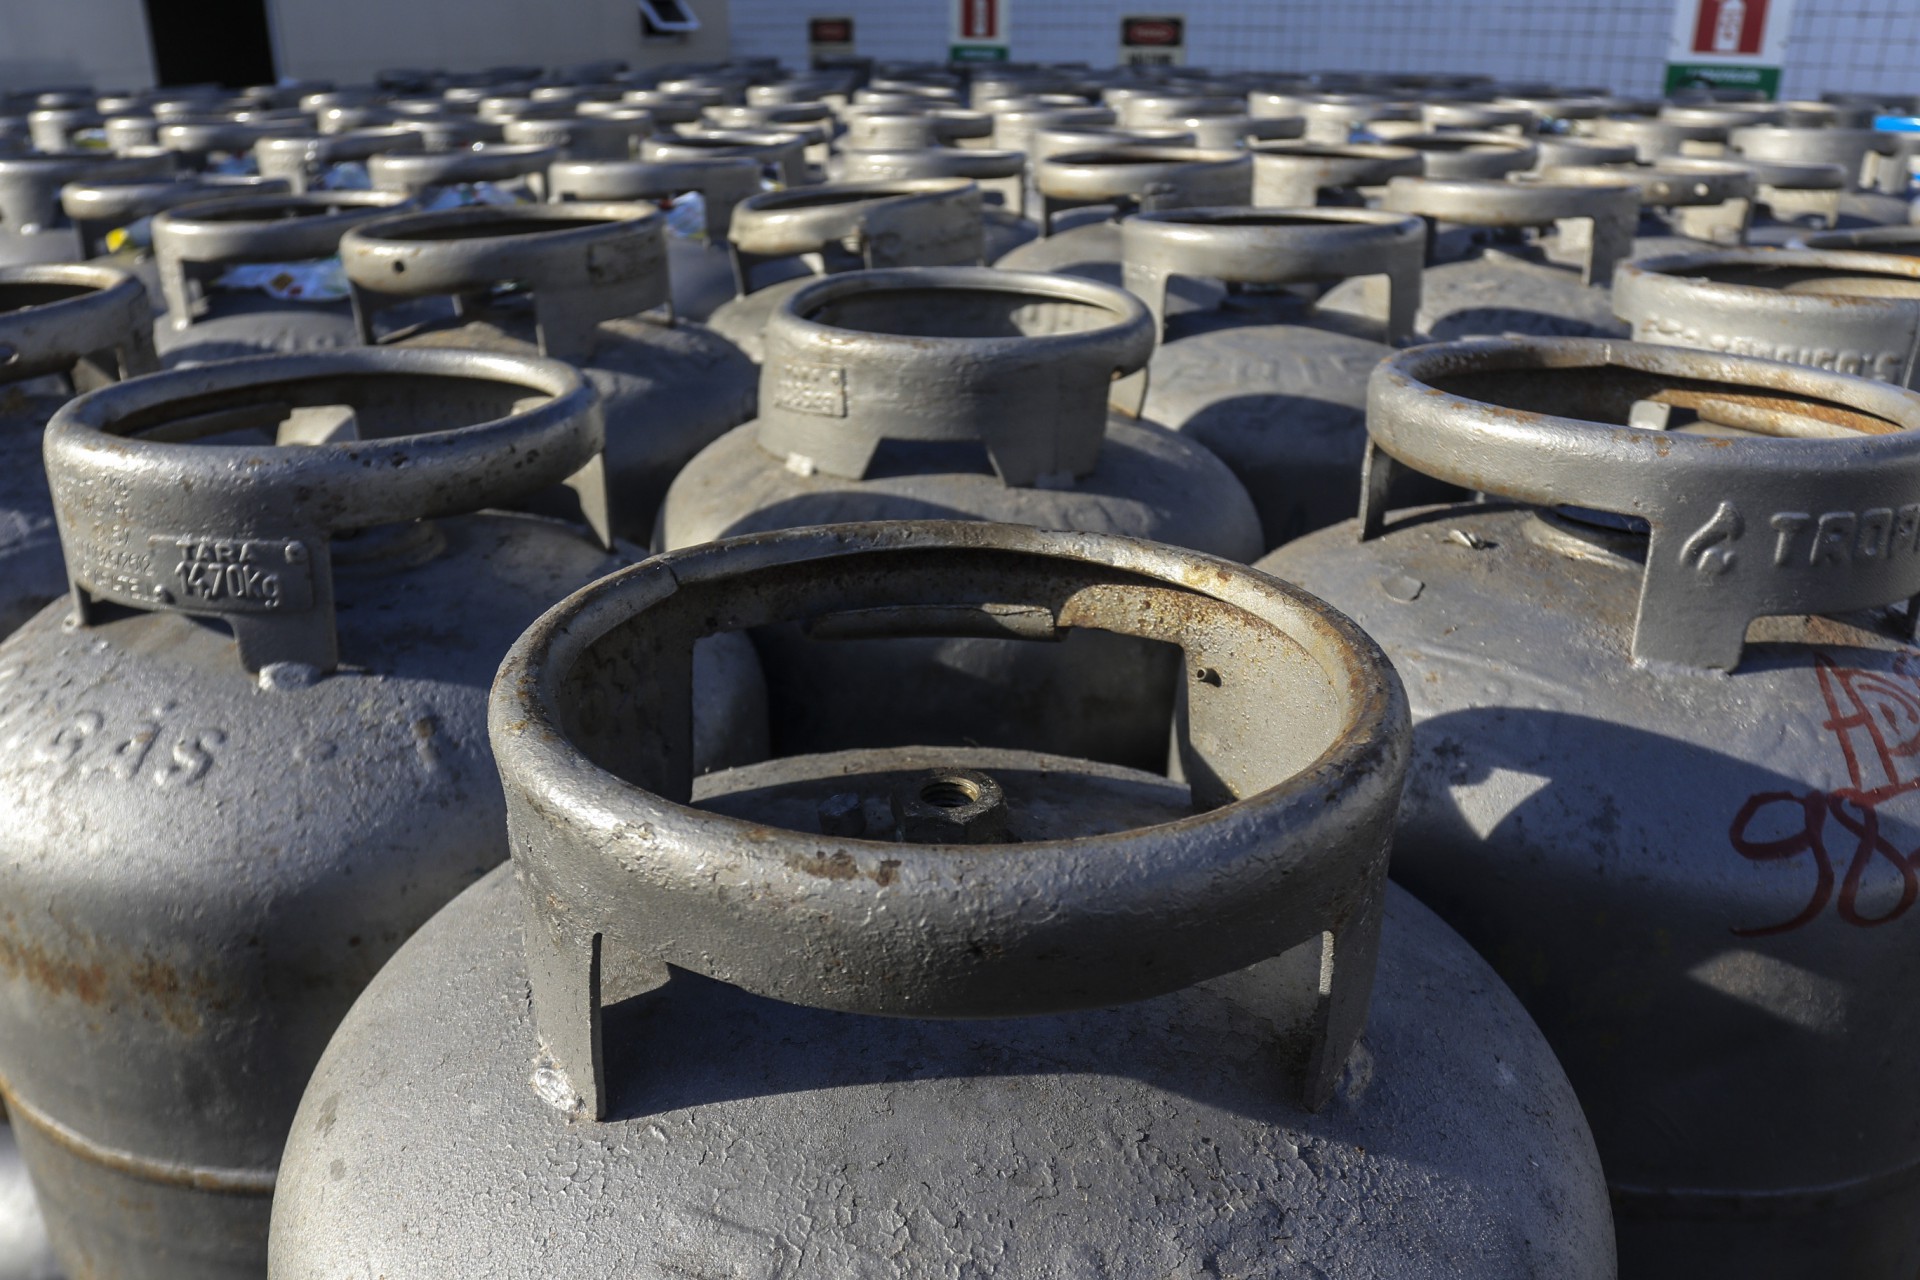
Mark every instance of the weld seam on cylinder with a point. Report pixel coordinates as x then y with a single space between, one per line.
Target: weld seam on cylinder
1706 1202
243 1182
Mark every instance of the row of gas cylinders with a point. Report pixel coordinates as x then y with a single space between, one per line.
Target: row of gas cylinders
962 847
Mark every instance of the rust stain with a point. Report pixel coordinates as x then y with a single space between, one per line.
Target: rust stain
85 982
828 866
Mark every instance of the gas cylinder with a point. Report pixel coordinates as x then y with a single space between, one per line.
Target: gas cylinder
1857 313
1685 201
782 1021
512 166
954 391
606 135
1264 382
1658 774
195 244
302 161
1463 153
697 258
845 226
1484 276
1110 182
1300 175
997 173
781 156
87 326
247 759
583 275
1875 184
32 226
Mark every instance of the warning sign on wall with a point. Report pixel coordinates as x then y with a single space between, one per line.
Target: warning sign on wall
829 37
1729 44
979 31
1153 41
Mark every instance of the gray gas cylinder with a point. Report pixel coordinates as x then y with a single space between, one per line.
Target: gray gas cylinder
247 757
781 156
1004 228
65 328
1875 165
98 208
1268 385
1098 186
698 263
591 286
195 244
1857 313
1486 276
33 227
844 226
515 166
1131 1030
1660 774
1685 201
1300 175
302 160
945 392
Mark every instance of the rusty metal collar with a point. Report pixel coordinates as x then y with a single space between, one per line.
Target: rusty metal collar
1295 739
152 519
94 323
1610 211
1813 508
582 264
1020 361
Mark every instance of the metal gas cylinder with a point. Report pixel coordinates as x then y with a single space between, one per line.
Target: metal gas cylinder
582 277
1106 183
1660 777
845 226
1291 175
782 157
1268 385
303 160
515 166
223 830
953 1011
953 391
98 208
1465 153
999 174
197 243
1685 201
698 262
33 227
85 326
1857 313
1875 165
603 136
1485 276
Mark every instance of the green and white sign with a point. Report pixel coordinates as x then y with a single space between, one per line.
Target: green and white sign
1728 44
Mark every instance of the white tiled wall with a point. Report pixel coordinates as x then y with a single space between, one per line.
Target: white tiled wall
1621 44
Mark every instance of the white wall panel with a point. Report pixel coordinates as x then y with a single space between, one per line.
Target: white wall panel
1836 44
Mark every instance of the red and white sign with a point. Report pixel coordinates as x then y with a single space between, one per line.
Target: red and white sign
1744 32
980 20
1158 41
1730 26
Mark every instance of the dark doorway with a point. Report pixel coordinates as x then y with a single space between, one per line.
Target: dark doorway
211 42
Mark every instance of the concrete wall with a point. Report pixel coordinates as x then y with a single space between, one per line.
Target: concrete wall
97 42
1834 44
348 40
